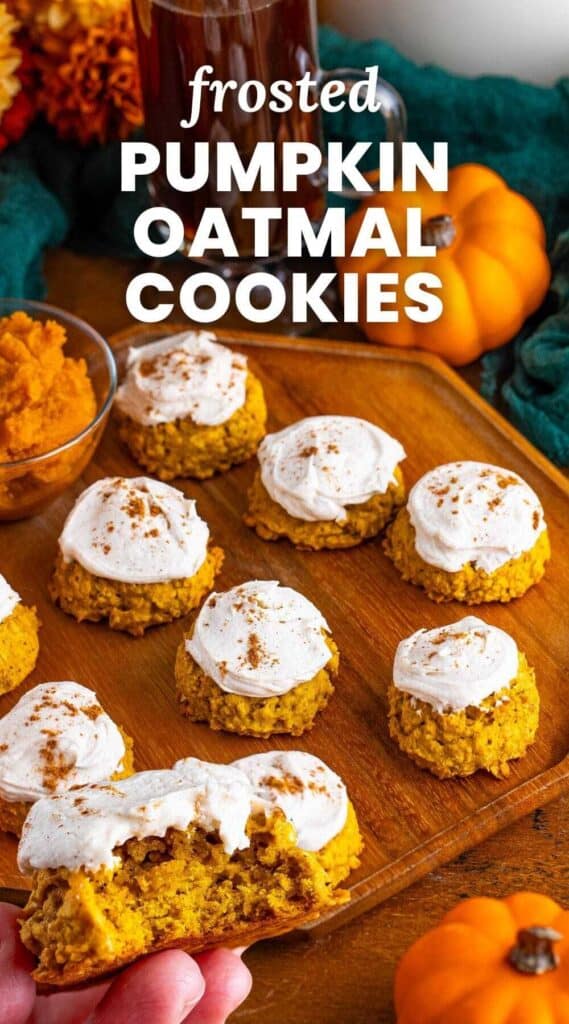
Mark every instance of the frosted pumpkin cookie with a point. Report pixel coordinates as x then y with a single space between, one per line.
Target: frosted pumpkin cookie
463 697
259 660
57 736
135 552
315 800
326 482
470 532
187 858
189 407
19 642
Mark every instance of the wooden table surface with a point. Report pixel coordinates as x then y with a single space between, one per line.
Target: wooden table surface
345 977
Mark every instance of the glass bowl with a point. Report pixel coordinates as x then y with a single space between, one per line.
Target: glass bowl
27 486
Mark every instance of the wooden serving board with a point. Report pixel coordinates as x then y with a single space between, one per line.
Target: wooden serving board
411 822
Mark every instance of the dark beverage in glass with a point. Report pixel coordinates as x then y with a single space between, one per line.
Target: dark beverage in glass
264 40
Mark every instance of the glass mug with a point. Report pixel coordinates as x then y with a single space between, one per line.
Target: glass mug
265 40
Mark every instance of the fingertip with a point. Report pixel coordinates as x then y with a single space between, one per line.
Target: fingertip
8 914
185 976
238 978
228 982
10 944
163 988
17 988
242 982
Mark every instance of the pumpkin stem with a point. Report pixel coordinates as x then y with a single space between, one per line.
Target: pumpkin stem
534 952
439 231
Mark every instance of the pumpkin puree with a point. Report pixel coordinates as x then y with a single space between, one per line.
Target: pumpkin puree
46 398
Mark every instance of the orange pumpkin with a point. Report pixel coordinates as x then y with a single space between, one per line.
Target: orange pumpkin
491 260
489 962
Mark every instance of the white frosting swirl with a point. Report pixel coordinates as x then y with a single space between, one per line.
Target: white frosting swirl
259 639
318 467
56 736
8 599
136 531
187 375
309 793
472 512
83 828
458 666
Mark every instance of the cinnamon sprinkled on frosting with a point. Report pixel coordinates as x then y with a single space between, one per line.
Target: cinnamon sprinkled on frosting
84 828
473 512
259 639
188 375
318 468
56 736
456 666
309 793
136 531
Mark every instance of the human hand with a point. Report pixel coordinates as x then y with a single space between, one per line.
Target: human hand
165 988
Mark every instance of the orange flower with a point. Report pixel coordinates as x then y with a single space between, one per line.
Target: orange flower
10 60
90 88
65 16
17 84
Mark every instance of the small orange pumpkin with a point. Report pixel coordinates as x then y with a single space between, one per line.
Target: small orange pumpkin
489 962
491 260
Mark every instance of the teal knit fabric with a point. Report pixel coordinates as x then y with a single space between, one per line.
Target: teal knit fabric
52 192
522 132
533 373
